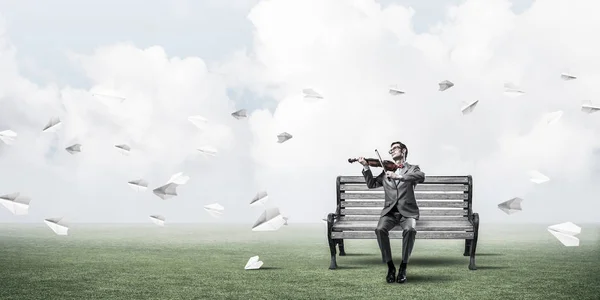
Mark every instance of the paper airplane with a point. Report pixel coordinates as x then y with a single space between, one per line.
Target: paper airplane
166 191
8 137
565 232
215 209
553 117
208 150
253 263
17 204
138 185
158 220
53 125
469 107
444 85
198 121
310 93
260 199
512 90
587 107
282 137
394 90
123 149
179 179
270 220
109 98
73 149
565 76
511 206
57 226
537 177
240 114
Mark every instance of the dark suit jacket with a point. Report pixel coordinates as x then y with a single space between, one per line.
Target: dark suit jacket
399 192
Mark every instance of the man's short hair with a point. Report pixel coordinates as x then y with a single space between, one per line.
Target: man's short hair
402 146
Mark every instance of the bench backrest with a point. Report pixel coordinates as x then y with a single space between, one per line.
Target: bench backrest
446 198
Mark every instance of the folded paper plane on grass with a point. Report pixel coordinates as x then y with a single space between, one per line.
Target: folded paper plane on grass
240 114
8 137
512 90
511 206
588 107
57 225
270 220
565 76
208 151
158 220
260 199
53 125
16 203
469 107
215 209
394 90
444 85
253 263
282 137
138 185
565 232
123 149
537 177
74 149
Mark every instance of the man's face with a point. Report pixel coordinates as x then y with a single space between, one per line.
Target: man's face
396 151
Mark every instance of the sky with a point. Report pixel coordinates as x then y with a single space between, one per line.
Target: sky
175 59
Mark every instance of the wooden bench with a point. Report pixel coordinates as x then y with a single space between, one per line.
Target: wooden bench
445 205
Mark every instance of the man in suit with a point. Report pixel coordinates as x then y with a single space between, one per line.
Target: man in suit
400 207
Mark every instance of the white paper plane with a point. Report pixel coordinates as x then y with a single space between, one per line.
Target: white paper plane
282 137
158 220
511 206
17 204
537 177
240 114
253 263
260 199
179 179
565 76
123 149
587 107
553 117
215 209
166 191
565 232
444 85
469 107
198 121
512 90
208 150
394 90
310 93
57 226
270 220
138 185
74 149
8 137
109 98
53 125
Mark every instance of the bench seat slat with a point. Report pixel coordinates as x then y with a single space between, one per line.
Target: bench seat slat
428 179
421 218
420 187
422 212
467 235
421 226
418 196
420 203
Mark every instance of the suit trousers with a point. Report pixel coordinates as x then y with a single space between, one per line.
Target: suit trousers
386 223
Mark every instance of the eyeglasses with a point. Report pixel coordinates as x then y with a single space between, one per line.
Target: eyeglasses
394 148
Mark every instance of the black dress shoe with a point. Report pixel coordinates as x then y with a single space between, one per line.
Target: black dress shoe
391 275
401 275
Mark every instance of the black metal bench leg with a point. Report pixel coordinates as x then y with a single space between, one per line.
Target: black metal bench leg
474 243
467 248
332 242
340 243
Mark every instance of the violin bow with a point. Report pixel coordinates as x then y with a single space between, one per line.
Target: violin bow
381 162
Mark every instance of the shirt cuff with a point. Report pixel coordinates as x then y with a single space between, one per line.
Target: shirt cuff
366 168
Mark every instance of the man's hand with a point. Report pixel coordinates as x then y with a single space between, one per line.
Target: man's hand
362 161
392 175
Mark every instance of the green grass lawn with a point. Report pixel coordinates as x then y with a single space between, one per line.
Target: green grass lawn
207 262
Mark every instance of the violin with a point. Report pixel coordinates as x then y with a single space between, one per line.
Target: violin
374 162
